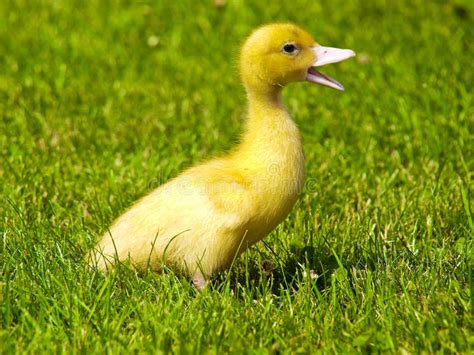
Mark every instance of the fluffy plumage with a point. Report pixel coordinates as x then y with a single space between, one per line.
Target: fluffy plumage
201 220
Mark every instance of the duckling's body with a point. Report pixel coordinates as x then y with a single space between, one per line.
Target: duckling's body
202 219
205 214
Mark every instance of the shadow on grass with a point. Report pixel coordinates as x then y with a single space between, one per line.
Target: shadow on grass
284 275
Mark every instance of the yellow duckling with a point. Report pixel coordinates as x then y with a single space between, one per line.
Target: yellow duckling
201 220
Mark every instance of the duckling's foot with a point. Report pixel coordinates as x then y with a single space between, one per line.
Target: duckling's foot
199 281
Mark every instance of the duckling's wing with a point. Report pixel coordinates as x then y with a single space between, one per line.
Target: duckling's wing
224 186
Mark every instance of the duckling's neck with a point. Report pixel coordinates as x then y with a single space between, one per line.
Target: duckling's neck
267 118
268 125
271 143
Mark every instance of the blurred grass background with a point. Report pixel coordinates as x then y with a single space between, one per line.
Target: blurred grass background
100 102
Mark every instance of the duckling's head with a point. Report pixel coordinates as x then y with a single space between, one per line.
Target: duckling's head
278 54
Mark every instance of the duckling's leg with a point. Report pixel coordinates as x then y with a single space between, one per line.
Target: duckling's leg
199 281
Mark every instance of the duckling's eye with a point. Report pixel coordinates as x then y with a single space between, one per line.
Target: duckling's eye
289 48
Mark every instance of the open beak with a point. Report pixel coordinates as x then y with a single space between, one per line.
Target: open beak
327 55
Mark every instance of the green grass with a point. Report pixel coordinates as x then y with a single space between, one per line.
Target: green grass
377 255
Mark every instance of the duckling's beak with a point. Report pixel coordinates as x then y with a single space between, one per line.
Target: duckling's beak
327 55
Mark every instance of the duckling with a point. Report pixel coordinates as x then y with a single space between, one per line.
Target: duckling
201 220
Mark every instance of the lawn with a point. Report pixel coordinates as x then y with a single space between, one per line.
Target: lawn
100 102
